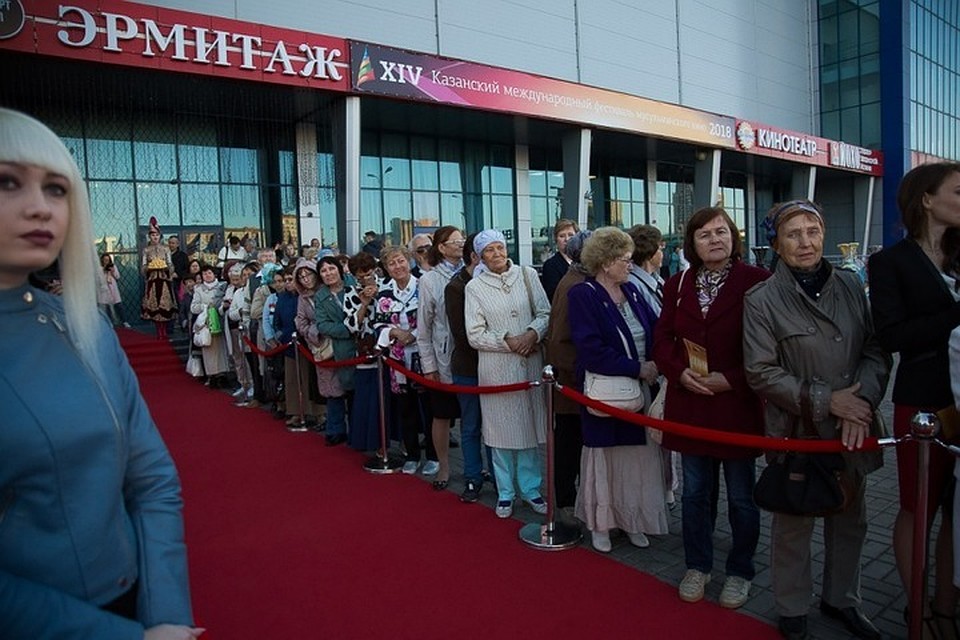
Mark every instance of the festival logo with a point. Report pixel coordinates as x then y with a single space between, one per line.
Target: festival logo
365 70
11 18
745 135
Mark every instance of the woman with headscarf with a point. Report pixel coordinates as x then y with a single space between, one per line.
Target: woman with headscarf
810 352
506 313
156 265
433 340
621 479
93 541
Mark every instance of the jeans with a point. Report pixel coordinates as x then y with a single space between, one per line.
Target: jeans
525 464
336 416
471 439
701 490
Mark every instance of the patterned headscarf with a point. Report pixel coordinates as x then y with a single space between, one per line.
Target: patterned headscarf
575 244
782 212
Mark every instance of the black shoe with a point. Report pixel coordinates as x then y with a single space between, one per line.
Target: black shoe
471 492
336 439
853 619
486 476
793 627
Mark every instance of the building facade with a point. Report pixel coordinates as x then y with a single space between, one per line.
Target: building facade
287 122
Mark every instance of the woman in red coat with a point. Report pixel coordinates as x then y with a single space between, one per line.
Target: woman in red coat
703 307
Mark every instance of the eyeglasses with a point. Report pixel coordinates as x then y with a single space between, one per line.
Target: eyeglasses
456 243
423 249
625 260
306 275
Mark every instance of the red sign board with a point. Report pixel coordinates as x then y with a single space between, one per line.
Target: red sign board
800 147
131 34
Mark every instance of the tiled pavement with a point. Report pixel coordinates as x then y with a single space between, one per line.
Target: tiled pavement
883 596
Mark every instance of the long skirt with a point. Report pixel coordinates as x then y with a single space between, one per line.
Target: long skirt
622 488
215 356
365 413
158 303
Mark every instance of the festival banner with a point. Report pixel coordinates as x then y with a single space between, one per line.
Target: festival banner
386 71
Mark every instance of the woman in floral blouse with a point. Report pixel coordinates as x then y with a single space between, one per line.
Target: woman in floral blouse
395 323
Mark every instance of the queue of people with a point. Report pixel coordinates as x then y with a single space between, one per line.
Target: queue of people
800 351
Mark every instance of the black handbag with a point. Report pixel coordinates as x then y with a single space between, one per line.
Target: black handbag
804 484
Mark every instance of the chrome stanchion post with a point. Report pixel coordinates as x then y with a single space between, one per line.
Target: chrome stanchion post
924 427
551 535
382 463
296 362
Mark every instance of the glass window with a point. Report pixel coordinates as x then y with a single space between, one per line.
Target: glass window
848 25
450 158
451 210
241 206
155 161
828 40
111 206
158 200
396 166
200 204
288 169
76 148
538 182
397 206
199 164
328 216
424 164
239 165
426 209
108 159
850 125
501 171
371 216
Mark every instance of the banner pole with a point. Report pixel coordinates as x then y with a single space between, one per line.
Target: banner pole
924 428
551 535
382 463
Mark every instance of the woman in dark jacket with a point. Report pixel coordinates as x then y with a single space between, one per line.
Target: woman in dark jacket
916 304
704 306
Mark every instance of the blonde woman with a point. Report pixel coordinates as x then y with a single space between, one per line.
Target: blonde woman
113 563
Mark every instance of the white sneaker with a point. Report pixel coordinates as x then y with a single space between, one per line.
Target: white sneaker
735 592
430 468
504 508
692 585
238 392
410 467
601 541
639 539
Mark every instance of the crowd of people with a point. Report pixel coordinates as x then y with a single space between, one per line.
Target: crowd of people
797 351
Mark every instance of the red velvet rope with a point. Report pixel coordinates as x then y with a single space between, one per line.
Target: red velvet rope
331 364
456 388
261 352
712 435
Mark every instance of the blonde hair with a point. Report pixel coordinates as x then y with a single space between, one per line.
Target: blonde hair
25 140
604 245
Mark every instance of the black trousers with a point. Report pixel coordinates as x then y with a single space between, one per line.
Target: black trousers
567 445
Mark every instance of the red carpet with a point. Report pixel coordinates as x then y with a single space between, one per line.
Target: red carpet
291 539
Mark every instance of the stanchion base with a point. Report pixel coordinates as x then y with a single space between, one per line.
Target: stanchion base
546 538
380 466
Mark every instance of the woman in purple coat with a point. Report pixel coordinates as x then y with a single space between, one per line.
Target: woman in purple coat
703 316
621 478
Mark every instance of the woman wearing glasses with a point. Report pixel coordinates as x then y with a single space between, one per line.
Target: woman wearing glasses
446 259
